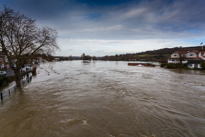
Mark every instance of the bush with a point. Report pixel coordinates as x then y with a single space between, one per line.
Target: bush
172 65
3 79
163 64
203 65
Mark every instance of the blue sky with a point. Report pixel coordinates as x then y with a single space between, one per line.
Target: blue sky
109 27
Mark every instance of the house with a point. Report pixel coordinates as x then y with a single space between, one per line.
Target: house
193 59
202 55
177 55
192 54
195 63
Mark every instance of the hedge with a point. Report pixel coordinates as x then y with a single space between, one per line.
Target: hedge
163 64
172 65
3 79
203 65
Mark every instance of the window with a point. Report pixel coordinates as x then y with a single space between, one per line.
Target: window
189 65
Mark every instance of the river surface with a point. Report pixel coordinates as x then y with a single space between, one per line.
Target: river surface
106 99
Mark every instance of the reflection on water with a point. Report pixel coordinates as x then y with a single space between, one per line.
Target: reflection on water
107 99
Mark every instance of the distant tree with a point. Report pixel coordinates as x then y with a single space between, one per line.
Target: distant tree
94 58
83 56
105 58
116 57
50 57
70 57
20 36
88 57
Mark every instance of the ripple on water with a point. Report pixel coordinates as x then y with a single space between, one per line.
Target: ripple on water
106 99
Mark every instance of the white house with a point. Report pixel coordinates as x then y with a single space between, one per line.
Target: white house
194 63
192 54
202 55
196 58
193 59
175 61
175 57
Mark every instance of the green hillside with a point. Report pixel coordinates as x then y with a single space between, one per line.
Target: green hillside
161 55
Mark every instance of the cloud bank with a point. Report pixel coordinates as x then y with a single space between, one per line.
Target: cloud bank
118 26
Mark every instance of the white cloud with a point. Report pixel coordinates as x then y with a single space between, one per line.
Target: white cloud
99 29
111 47
123 28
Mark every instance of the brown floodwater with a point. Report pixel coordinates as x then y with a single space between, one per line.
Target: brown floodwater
106 99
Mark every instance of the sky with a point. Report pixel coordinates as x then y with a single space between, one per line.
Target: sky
109 27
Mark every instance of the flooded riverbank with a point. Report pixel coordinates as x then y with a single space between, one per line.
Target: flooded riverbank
106 99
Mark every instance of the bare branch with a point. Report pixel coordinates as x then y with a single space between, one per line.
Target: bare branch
20 36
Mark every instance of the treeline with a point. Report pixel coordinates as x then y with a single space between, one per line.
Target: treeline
87 57
61 58
153 55
170 50
82 57
161 55
47 57
136 57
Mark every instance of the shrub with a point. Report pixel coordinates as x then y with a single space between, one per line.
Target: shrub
203 65
3 79
172 65
163 65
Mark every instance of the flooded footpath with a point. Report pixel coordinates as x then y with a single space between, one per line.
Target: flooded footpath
106 99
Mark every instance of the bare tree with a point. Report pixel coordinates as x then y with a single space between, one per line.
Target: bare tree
94 58
181 58
83 56
20 38
70 57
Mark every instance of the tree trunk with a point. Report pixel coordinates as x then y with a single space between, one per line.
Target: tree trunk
34 71
18 77
181 63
